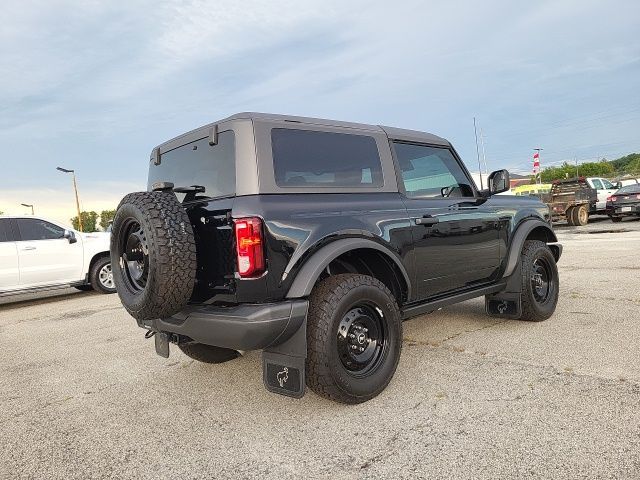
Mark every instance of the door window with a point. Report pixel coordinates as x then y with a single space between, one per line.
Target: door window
597 184
36 229
607 184
5 232
431 172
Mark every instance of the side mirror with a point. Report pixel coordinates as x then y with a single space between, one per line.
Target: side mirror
499 182
69 235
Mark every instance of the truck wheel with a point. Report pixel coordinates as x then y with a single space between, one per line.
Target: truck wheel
616 219
569 214
101 276
153 255
580 215
208 353
540 281
354 338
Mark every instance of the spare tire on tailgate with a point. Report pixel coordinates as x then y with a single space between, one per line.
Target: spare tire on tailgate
153 255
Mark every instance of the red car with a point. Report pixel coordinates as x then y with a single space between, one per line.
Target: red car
624 202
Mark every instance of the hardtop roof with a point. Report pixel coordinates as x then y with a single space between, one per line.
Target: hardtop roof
392 132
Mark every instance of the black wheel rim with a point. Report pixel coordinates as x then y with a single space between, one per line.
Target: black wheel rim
134 259
362 339
542 283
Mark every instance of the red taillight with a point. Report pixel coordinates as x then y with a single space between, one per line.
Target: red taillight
638 197
611 199
249 246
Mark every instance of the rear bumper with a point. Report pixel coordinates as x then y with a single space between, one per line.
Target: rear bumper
240 327
633 209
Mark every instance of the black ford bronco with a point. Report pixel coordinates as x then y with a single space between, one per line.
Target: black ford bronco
313 240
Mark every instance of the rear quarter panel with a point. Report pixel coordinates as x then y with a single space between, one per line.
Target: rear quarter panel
297 225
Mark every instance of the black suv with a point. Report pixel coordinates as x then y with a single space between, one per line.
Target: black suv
313 240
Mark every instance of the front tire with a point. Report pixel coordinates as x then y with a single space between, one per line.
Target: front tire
354 338
616 219
540 282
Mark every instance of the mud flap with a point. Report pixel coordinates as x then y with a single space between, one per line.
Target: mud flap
507 304
503 305
283 365
162 344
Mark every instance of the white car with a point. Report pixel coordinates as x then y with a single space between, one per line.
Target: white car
39 254
604 189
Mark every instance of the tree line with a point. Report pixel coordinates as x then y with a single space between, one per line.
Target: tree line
90 220
627 165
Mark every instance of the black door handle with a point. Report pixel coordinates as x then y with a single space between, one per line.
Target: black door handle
427 220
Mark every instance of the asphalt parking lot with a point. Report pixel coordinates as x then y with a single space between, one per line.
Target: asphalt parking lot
83 395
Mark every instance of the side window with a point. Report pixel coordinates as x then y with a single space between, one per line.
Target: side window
431 172
5 232
597 184
607 184
307 158
35 229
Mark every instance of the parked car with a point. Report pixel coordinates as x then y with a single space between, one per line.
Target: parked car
313 240
38 254
623 182
604 189
624 202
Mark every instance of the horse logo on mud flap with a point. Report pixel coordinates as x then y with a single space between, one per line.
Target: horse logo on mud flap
283 376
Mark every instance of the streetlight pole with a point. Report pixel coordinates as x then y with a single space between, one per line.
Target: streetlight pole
75 189
27 205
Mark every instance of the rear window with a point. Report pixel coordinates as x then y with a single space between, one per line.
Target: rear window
198 163
630 189
304 158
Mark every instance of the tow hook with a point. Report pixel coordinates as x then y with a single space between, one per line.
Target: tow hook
148 334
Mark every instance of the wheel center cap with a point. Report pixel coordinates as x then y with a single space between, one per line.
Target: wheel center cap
361 338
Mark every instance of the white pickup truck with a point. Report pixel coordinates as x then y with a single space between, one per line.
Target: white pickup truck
604 189
39 254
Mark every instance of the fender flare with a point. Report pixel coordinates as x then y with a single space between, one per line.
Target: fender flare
313 267
519 237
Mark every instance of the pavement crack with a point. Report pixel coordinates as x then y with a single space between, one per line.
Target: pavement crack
464 332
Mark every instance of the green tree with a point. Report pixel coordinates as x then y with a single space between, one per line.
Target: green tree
567 170
89 220
633 166
106 216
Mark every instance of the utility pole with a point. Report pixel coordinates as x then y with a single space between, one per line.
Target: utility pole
75 189
575 159
27 205
475 130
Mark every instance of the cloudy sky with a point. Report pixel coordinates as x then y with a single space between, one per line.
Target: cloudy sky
94 85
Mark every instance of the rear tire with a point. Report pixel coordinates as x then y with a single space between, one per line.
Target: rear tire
354 338
208 353
569 214
540 282
616 219
101 276
580 215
